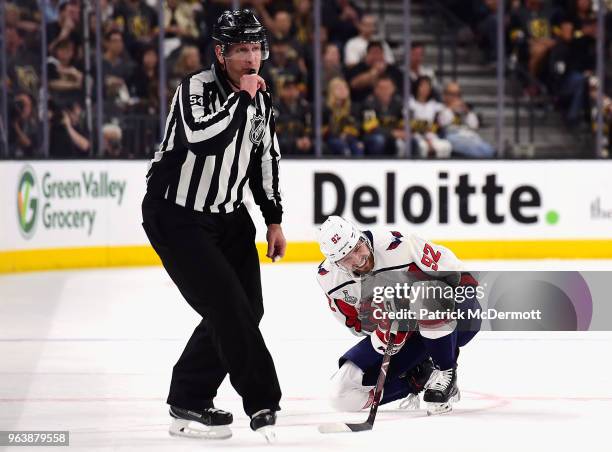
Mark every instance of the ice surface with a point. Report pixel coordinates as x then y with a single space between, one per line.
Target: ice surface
91 352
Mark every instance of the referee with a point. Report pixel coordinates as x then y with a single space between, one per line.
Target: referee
219 135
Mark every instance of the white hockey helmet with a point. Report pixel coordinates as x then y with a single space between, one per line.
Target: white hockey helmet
337 237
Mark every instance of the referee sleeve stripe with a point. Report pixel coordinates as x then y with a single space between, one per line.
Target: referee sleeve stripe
204 183
214 183
194 182
234 168
200 127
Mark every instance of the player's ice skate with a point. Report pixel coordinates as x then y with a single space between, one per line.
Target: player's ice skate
417 379
210 423
263 422
412 402
441 391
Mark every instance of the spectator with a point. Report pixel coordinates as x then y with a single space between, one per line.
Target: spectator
179 19
486 30
340 128
117 67
418 69
68 26
282 26
107 7
584 55
66 138
187 62
180 24
304 22
332 65
581 11
51 10
566 81
138 23
283 61
111 141
607 115
382 120
424 127
341 18
460 123
364 75
18 17
309 63
144 83
293 119
23 129
65 80
531 33
23 65
356 48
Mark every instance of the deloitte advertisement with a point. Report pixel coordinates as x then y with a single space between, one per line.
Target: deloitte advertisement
471 200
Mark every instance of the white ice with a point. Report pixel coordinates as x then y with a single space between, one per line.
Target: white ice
91 352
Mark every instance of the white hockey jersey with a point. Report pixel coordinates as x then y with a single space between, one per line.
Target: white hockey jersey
393 252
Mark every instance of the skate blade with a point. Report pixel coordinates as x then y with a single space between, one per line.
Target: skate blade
191 429
434 409
268 432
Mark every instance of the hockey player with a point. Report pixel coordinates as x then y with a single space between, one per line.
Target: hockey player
353 258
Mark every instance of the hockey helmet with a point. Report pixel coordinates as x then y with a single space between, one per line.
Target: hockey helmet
337 237
240 26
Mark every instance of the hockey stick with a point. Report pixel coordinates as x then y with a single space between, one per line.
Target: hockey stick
340 427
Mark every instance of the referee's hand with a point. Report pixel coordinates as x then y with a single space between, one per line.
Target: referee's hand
251 83
276 242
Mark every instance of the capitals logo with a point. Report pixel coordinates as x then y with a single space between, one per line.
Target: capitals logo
397 239
27 202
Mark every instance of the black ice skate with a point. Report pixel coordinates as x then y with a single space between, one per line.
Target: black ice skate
263 422
417 378
441 391
210 423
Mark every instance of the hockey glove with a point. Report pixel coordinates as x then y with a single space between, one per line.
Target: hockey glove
380 337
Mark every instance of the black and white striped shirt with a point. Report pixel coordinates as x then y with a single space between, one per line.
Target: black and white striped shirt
216 140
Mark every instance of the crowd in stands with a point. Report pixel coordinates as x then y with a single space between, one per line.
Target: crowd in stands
363 81
553 44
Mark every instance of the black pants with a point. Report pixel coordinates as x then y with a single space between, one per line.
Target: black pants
213 260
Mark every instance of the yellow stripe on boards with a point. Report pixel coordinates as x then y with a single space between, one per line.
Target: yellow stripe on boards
123 256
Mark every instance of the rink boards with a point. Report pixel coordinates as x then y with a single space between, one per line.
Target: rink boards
73 214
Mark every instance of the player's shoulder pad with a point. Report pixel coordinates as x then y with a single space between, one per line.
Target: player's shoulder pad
330 277
323 268
387 240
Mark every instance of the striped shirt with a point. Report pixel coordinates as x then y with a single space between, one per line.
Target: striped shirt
215 140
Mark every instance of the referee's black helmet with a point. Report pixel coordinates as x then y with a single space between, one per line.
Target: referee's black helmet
240 26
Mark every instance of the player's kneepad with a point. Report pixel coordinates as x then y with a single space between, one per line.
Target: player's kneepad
346 391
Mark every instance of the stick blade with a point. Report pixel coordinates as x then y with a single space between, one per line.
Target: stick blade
361 427
340 427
